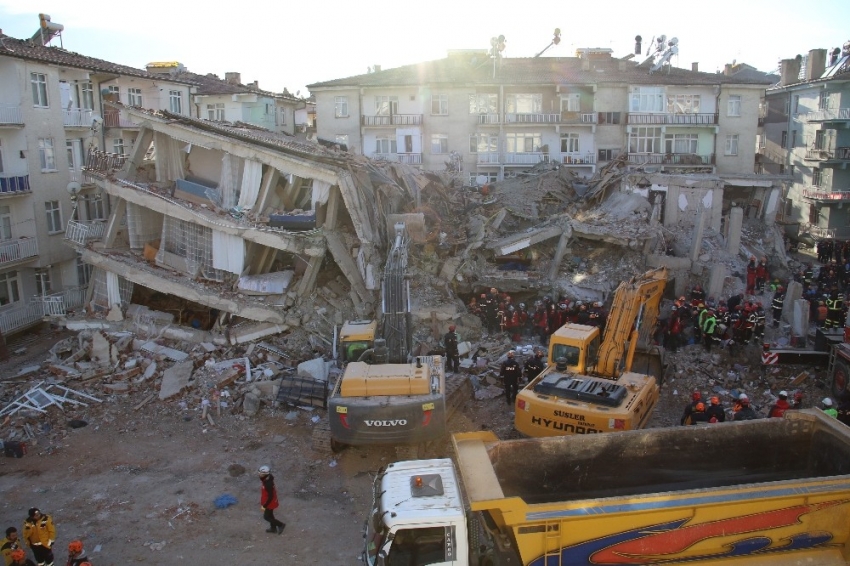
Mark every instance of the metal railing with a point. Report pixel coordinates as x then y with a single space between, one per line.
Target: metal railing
76 117
103 162
115 120
82 232
408 158
57 304
683 159
16 250
826 115
524 158
671 119
517 118
393 120
576 158
17 318
816 193
11 115
842 232
489 157
488 119
18 184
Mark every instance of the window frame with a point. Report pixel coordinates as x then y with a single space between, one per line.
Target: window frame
216 112
531 103
40 98
572 143
442 102
87 96
47 155
683 103
54 217
175 101
733 106
46 280
488 101
603 118
784 141
571 102
386 105
386 144
731 147
134 97
118 146
6 223
671 141
647 100
646 139
341 107
443 140
817 177
479 140
514 139
11 282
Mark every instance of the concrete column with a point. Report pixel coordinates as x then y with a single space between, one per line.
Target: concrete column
269 182
800 322
696 245
308 281
736 220
716 280
114 224
793 292
671 206
332 208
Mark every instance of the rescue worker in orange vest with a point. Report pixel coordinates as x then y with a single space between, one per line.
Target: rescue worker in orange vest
696 397
751 275
761 274
715 411
822 313
699 415
39 534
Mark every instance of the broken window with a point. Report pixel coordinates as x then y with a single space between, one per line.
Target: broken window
340 107
9 292
215 112
386 144
733 105
609 117
645 140
483 143
83 271
569 143
523 142
731 144
524 103
571 102
483 104
647 99
439 104
683 104
93 206
681 143
386 105
439 143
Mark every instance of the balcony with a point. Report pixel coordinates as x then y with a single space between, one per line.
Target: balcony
392 120
588 118
17 251
15 186
840 233
11 116
825 195
102 162
488 119
115 120
408 158
83 232
839 115
575 159
524 158
77 118
488 158
58 304
23 316
643 119
516 118
677 159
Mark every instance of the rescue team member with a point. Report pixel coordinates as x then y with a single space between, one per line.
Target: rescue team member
534 365
781 406
76 554
689 408
450 341
511 372
699 415
9 545
745 412
715 411
827 407
19 558
39 534
268 500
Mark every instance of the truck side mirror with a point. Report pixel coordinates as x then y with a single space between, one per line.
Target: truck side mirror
382 557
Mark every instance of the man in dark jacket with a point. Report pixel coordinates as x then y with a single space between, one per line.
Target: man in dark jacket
696 397
534 365
511 372
715 411
745 412
450 341
268 500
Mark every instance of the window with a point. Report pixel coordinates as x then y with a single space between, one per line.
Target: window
524 103
116 92
789 208
569 143
175 101
5 223
823 101
440 105
42 282
819 139
422 546
571 103
683 104
731 144
94 206
609 117
39 90
341 107
733 105
645 140
134 96
781 168
385 144
280 116
439 143
75 154
760 141
784 141
483 143
489 177
386 105
681 143
817 177
813 215
9 292
342 141
483 103
54 216
793 138
647 99
215 112
118 146
787 106
608 154
523 142
83 272
46 154
87 96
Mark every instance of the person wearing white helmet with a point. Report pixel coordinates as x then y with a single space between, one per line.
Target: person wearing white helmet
829 408
268 500
779 408
743 410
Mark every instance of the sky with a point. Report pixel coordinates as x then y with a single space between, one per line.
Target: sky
293 44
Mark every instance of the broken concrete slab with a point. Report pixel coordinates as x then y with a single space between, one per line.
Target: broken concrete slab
175 379
316 369
250 404
170 353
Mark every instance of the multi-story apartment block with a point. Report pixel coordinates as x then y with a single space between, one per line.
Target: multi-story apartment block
507 114
807 136
53 110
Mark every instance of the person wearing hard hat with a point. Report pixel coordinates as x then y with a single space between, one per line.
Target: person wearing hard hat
715 411
511 372
829 408
18 557
699 415
534 365
268 500
782 405
696 397
76 554
745 412
39 534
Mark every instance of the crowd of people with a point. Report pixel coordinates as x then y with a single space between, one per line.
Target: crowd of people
698 411
39 535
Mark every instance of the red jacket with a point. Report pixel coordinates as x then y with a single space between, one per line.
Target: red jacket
779 408
268 495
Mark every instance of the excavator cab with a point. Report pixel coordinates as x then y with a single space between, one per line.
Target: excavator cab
355 337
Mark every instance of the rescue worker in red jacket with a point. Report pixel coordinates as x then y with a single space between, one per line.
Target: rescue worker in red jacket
762 274
782 405
751 275
268 500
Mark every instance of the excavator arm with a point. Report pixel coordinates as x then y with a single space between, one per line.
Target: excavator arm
395 300
631 320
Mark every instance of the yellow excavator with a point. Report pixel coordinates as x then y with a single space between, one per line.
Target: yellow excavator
589 385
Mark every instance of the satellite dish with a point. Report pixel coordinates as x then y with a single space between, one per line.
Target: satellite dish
74 187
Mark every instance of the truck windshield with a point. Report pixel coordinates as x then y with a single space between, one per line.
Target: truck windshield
570 353
375 534
352 351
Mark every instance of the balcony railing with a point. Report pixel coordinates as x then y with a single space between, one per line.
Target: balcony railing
817 193
103 162
488 119
816 154
393 120
841 233
826 115
517 118
524 158
681 159
56 304
488 158
77 118
83 232
20 317
11 115
115 120
672 119
408 158
579 117
14 185
575 158
17 250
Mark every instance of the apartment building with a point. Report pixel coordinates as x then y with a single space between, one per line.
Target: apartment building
54 110
806 119
502 115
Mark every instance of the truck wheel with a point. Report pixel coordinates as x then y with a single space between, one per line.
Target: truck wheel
840 378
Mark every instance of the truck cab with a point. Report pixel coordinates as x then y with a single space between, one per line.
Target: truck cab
355 337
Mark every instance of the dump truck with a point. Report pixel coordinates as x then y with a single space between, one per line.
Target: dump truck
589 385
385 395
763 492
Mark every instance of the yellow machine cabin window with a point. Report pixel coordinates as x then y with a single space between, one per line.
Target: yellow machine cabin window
353 350
570 353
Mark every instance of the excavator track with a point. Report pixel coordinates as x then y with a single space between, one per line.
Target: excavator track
322 441
458 393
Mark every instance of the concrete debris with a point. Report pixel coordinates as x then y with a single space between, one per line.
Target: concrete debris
175 379
170 353
316 369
